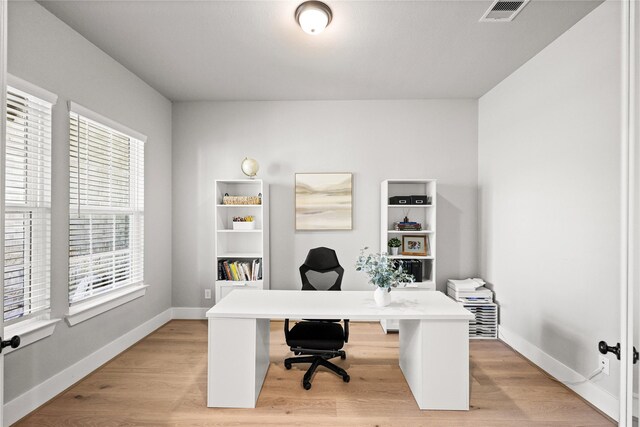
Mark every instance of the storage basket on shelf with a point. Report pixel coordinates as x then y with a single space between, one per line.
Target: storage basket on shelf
242 200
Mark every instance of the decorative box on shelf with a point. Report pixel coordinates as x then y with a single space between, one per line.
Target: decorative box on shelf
400 200
420 200
415 200
244 225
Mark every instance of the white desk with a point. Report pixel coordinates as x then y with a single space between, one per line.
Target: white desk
434 341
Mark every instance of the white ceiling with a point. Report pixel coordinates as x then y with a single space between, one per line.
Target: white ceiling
254 50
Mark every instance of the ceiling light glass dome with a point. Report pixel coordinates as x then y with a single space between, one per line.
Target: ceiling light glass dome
313 17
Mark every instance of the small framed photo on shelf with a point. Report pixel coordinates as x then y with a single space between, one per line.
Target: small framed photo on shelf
415 245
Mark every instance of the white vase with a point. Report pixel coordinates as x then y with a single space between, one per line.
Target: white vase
394 251
381 297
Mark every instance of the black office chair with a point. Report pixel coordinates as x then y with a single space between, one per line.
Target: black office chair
321 340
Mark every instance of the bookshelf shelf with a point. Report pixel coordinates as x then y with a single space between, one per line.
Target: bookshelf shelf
411 206
239 283
247 249
410 232
240 255
424 214
238 181
238 206
410 257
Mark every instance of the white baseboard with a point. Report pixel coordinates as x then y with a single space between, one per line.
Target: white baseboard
37 396
593 394
189 313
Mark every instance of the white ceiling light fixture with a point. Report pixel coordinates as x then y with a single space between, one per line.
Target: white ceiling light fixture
313 17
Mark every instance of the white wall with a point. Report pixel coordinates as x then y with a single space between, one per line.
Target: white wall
636 219
374 140
46 52
549 178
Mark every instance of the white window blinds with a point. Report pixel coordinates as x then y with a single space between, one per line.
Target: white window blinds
106 221
27 233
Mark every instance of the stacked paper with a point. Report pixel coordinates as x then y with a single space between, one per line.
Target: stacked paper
466 284
485 325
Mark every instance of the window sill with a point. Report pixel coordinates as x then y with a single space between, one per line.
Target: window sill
84 311
29 332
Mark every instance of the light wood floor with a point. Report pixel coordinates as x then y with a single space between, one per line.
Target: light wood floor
162 381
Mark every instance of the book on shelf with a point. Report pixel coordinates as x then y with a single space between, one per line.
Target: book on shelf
237 271
234 272
255 270
227 271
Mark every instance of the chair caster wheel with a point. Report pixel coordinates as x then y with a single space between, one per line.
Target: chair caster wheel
343 356
306 385
287 365
346 378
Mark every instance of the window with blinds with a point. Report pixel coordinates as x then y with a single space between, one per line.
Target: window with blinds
27 224
106 221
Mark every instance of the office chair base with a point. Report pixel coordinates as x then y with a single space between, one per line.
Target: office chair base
318 360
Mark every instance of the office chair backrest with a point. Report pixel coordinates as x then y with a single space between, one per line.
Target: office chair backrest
321 270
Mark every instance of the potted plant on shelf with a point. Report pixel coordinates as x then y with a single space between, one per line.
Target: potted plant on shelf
383 273
244 223
394 244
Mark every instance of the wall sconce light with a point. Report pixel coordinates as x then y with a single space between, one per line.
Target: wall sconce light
313 17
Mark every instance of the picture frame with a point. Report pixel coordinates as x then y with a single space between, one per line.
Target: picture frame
415 245
324 201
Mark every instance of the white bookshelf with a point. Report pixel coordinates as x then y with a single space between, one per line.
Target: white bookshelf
241 245
422 213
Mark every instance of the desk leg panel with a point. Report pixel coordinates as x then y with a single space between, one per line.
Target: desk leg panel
434 358
238 360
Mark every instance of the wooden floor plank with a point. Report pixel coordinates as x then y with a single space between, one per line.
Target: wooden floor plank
162 381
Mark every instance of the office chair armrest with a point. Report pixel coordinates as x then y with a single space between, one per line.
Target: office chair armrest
286 329
346 330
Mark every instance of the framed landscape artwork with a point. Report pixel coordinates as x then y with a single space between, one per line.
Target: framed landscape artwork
324 201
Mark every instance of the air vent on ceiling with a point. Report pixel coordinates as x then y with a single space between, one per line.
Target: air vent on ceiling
503 11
